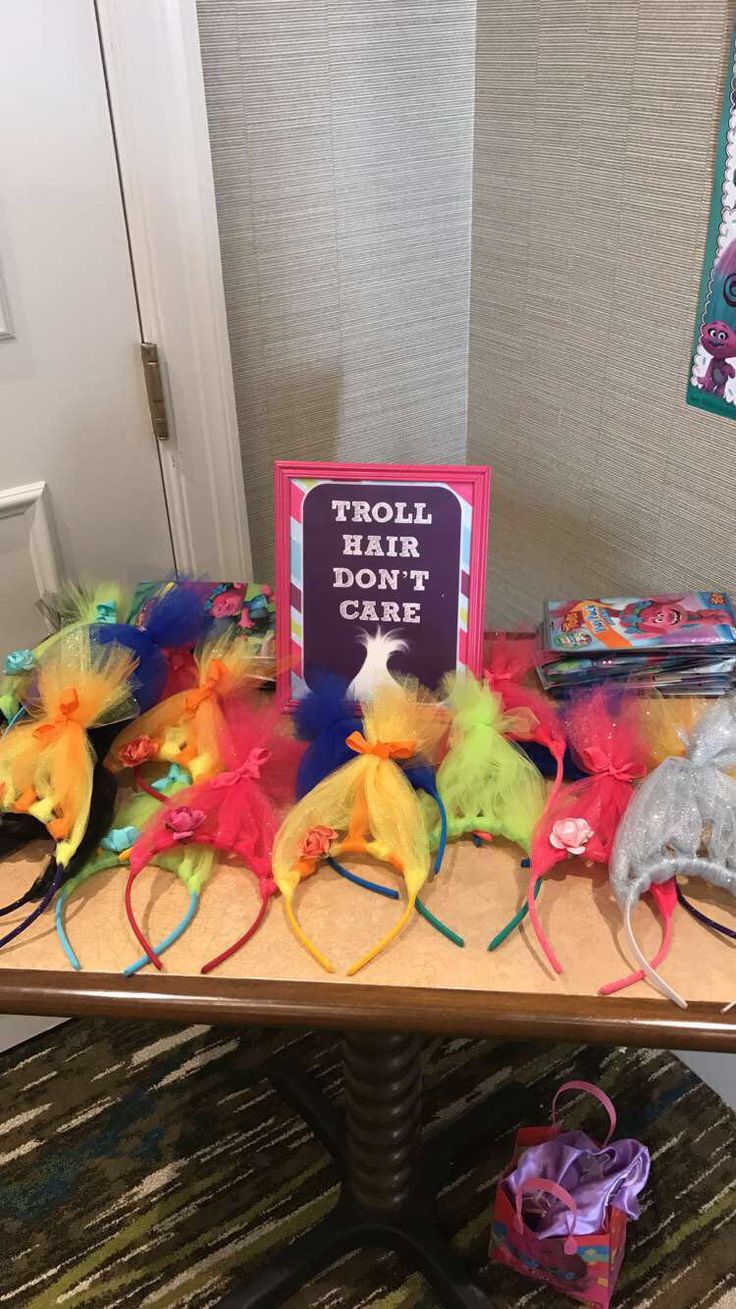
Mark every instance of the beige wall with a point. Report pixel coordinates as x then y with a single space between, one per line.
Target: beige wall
596 123
342 150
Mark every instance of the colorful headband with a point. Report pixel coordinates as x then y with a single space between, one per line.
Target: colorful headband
488 785
667 724
486 782
175 620
232 813
605 737
370 802
189 727
47 763
41 890
326 718
114 852
509 662
682 821
69 610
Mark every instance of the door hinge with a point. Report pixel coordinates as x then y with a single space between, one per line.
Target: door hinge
155 390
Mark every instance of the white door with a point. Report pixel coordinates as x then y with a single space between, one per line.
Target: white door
81 492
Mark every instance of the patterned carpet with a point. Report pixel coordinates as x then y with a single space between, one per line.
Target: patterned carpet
153 1165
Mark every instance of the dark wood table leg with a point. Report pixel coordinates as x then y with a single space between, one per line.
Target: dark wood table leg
385 1200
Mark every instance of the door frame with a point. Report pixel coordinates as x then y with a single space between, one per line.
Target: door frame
155 85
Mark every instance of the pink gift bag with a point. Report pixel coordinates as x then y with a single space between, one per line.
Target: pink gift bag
585 1267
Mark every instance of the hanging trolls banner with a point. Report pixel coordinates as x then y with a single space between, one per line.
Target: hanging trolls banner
380 569
712 382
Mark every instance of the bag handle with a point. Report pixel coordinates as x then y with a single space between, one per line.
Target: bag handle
597 1094
552 1188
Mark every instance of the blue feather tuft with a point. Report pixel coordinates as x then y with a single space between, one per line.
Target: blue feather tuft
149 677
324 717
177 618
324 705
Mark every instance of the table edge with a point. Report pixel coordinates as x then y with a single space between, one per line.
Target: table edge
351 1005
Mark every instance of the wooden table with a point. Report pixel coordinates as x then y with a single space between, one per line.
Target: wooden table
423 984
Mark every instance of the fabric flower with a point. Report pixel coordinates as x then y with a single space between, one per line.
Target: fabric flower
183 822
119 839
176 776
20 661
138 751
316 842
571 834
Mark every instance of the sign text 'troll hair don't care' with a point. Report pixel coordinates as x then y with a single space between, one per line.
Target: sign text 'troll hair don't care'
380 571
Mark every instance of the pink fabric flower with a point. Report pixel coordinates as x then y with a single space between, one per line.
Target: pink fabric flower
138 751
316 842
183 822
571 834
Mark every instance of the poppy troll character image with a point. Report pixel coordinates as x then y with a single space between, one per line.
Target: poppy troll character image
653 616
365 807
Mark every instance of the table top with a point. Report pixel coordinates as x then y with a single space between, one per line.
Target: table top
421 983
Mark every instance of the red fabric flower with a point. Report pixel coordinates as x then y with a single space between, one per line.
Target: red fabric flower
138 751
316 842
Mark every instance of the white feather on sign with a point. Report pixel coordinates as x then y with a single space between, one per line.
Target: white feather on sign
375 670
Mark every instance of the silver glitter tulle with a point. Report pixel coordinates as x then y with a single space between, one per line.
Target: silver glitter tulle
683 817
682 820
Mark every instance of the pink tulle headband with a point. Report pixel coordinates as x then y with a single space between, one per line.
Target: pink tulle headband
235 812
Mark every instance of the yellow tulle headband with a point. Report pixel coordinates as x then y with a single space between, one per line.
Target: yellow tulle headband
369 801
187 727
46 760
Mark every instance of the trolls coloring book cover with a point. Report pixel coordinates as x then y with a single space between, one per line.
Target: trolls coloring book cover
697 618
712 380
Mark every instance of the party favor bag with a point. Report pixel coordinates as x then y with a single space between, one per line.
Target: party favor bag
583 1267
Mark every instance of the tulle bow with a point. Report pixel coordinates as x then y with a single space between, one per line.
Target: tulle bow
383 749
251 768
598 761
68 704
215 674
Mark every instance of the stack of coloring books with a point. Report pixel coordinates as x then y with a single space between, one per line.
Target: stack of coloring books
681 644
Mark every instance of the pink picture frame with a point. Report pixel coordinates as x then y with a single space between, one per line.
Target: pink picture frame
407 515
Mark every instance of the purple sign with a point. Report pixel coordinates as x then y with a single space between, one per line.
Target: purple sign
380 573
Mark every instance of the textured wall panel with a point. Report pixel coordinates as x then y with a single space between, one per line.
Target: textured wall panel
342 150
594 140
